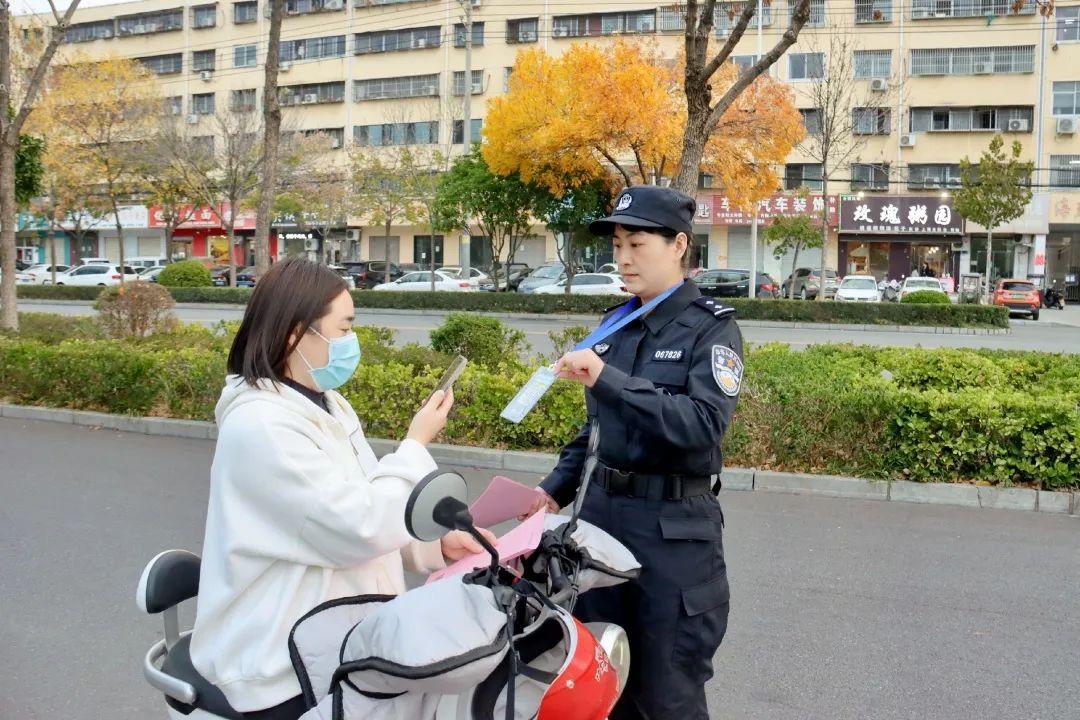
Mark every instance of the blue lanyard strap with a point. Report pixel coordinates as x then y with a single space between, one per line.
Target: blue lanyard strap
623 317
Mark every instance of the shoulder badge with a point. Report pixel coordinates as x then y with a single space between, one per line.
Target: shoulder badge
601 348
715 308
727 369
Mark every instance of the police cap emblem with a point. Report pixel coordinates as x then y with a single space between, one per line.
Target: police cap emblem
727 369
624 202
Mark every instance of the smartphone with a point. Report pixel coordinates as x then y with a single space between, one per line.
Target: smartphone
457 366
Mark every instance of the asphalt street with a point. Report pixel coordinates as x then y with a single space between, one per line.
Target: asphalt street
415 328
840 608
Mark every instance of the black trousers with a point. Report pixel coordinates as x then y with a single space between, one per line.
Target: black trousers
676 612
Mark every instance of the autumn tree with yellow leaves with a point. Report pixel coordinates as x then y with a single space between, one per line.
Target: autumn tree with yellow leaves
616 112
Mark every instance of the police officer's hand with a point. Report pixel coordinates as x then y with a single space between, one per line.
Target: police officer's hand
457 544
431 419
543 500
581 366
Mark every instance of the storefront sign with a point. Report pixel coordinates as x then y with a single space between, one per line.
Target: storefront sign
900 215
1038 260
203 217
1065 208
779 205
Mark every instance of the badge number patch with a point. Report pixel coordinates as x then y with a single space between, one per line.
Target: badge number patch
727 369
668 355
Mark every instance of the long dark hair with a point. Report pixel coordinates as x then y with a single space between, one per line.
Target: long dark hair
289 298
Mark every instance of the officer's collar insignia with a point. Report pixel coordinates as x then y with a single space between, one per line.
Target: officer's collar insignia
624 202
727 369
601 348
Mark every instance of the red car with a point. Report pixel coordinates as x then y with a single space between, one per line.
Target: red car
1018 296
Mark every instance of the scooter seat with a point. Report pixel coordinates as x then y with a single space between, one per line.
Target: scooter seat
208 697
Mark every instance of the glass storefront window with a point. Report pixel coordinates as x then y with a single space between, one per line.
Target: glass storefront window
868 259
1001 262
937 257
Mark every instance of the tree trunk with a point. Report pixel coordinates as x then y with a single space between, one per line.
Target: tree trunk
170 230
431 256
989 258
231 230
119 234
386 252
52 256
271 143
9 317
794 267
824 230
686 175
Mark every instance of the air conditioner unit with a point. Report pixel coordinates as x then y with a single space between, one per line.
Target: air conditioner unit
206 75
983 68
476 3
560 32
310 99
1018 125
879 84
285 66
420 43
931 182
907 140
352 235
311 244
334 5
921 13
335 143
1066 125
193 119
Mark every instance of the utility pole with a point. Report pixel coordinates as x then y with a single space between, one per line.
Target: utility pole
465 249
754 220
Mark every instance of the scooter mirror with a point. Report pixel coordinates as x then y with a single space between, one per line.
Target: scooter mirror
425 512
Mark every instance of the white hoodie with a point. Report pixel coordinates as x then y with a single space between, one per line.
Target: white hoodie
301 511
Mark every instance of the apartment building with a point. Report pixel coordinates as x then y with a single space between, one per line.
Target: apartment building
392 72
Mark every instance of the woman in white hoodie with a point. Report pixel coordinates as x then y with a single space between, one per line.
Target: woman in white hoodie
301 511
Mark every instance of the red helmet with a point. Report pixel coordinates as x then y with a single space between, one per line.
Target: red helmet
587 685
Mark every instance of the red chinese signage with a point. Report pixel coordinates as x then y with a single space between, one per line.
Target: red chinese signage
204 217
779 205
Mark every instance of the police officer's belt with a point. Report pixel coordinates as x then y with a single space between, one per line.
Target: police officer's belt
631 484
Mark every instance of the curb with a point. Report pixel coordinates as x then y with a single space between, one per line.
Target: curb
734 479
589 319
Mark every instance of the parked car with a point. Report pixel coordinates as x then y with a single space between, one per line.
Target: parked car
1019 296
96 274
509 279
808 284
608 268
344 272
475 276
369 273
915 284
42 272
544 275
245 276
151 274
858 288
20 265
95 261
587 284
421 280
734 283
146 261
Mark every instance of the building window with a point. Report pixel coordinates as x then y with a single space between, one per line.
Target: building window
245 12
307 7
871 121
242 101
507 72
410 133
336 136
477 34
806 66
873 64
203 60
396 87
671 18
967 119
1067 97
817 12
873 11
204 16
173 105
869 176
313 93
522 31
312 48
922 177
921 9
202 103
628 23
705 181
477 82
164 64
244 55
1065 170
397 40
744 62
811 120
726 16
973 61
802 175
85 32
475 126
149 23
1068 23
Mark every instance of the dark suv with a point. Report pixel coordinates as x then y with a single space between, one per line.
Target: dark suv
808 283
369 273
735 283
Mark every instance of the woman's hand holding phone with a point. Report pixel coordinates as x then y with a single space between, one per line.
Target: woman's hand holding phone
430 420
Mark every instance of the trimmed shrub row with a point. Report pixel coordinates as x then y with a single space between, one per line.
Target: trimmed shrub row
947 315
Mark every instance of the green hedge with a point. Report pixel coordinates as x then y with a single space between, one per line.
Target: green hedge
937 415
779 310
926 297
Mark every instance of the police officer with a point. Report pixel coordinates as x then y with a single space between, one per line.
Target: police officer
661 391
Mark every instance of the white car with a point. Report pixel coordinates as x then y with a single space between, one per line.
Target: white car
608 269
421 280
96 275
858 288
915 284
40 274
475 276
587 284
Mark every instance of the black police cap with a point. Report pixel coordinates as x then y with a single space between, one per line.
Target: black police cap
652 207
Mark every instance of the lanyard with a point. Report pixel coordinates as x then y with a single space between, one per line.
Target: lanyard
623 317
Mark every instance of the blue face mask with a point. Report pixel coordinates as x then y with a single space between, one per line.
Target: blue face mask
341 362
